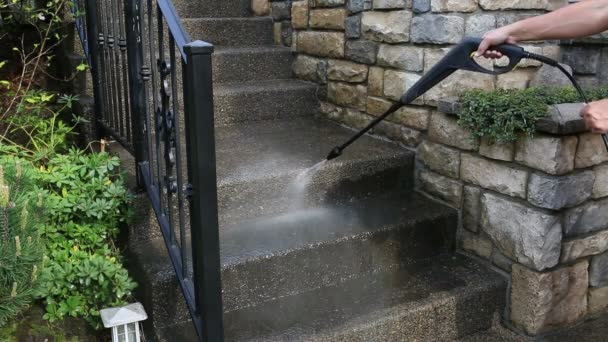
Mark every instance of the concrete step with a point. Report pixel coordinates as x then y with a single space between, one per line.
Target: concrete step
251 64
212 8
442 299
279 256
261 167
264 100
231 31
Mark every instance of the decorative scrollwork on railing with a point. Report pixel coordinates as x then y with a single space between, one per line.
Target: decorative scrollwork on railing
166 121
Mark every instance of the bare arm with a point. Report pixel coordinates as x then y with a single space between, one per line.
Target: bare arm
578 20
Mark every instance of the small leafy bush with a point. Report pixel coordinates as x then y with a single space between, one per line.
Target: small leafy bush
21 251
88 201
502 115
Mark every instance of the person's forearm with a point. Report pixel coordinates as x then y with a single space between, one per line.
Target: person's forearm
578 20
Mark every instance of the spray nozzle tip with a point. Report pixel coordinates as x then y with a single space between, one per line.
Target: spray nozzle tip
335 153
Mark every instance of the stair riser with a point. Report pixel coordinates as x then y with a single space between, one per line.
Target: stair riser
212 8
276 276
241 107
251 66
231 32
280 195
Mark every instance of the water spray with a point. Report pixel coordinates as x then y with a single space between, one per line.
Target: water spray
461 57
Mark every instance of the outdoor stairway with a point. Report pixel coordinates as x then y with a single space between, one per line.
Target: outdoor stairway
356 255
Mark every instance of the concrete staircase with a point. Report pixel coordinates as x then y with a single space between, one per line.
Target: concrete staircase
357 256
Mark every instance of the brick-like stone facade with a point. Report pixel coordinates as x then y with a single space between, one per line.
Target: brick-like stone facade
537 208
529 209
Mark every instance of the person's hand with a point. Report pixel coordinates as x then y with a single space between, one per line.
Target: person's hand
494 38
595 115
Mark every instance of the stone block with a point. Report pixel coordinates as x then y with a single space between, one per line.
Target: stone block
341 70
493 5
396 83
327 3
331 111
355 6
445 129
407 136
504 152
355 119
549 76
415 117
318 43
587 218
421 6
583 60
591 151
446 189
598 270
276 33
437 29
260 7
558 192
529 236
299 14
390 4
362 51
553 5
310 69
516 79
349 95
562 119
353 27
508 18
579 248
478 24
476 244
390 27
598 300
600 187
375 81
471 208
281 10
332 19
453 5
553 155
377 106
408 58
440 158
541 302
493 175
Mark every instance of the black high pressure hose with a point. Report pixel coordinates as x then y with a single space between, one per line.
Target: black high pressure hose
461 58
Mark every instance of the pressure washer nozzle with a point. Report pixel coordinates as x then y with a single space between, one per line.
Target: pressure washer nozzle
335 153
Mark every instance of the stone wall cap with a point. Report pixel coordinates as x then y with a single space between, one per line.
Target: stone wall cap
562 119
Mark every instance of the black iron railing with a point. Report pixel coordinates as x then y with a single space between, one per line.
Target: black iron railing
153 93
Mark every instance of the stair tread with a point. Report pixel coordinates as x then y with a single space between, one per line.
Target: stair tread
312 227
210 19
250 49
268 148
425 290
417 289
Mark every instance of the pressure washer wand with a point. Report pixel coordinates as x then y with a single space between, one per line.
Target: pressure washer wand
460 58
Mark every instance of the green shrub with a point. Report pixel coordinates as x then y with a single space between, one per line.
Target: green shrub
88 201
502 115
21 251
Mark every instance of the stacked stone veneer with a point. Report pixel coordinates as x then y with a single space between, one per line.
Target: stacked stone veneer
365 54
536 208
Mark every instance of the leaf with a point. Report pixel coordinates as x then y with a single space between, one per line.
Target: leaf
82 67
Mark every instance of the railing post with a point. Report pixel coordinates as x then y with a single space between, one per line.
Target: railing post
200 139
135 61
93 52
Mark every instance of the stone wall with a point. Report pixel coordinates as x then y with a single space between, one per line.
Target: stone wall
365 54
537 209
